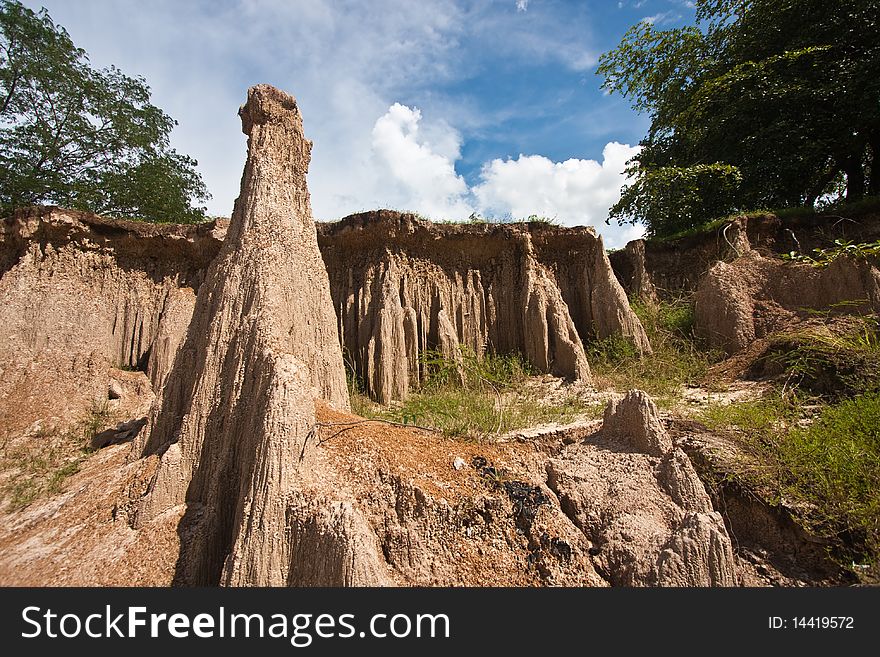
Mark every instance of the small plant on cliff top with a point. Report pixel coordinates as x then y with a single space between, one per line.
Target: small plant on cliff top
841 248
541 219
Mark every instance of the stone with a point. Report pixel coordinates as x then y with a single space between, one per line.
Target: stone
123 433
639 502
635 420
115 390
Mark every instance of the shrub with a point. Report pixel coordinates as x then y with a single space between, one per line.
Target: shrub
828 472
668 200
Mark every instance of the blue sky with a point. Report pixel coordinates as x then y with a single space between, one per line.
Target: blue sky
438 106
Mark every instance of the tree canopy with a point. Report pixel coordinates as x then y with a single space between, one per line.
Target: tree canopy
761 104
83 138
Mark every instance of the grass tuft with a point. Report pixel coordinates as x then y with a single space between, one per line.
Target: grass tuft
472 397
678 359
833 364
42 463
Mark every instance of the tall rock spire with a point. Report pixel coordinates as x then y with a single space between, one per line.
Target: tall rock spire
234 422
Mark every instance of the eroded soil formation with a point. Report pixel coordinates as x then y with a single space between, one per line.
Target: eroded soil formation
403 287
207 368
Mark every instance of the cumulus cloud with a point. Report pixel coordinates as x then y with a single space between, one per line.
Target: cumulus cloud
421 174
574 192
522 5
415 170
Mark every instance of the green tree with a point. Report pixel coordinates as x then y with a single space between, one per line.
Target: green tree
786 92
83 138
678 198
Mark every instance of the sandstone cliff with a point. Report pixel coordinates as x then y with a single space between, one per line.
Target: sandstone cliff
753 296
82 298
250 471
402 287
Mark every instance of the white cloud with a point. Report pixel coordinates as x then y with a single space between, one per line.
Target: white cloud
344 64
421 174
575 192
522 5
663 18
414 166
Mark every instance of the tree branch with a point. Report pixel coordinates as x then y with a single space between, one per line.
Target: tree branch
16 77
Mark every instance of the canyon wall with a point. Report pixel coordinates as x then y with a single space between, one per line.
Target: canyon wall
403 287
82 297
251 473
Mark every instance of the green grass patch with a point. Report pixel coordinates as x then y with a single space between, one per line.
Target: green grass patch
756 418
477 218
793 212
41 464
834 471
834 365
828 472
473 397
678 359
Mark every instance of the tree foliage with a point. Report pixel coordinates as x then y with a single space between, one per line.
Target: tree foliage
678 198
787 92
83 138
